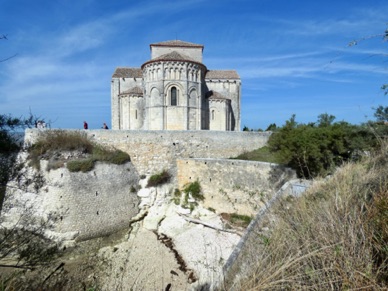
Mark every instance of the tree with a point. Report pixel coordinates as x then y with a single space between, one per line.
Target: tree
10 144
271 127
23 245
325 119
316 149
381 113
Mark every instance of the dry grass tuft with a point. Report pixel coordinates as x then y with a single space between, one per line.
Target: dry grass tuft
333 238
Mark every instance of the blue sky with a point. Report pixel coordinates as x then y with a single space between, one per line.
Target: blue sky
292 56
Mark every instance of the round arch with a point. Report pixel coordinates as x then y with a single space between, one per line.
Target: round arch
169 92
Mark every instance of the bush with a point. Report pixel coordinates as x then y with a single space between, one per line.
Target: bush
195 190
111 156
84 166
51 143
317 149
159 179
177 197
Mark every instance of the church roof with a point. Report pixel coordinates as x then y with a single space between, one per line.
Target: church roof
177 43
133 91
222 74
173 56
127 73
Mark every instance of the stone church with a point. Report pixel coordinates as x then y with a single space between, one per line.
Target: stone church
174 90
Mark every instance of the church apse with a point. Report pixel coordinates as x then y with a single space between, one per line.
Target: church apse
174 90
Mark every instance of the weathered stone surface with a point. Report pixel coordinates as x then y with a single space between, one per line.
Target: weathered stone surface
89 204
157 150
233 186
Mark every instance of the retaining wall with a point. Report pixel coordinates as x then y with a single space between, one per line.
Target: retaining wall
233 186
152 151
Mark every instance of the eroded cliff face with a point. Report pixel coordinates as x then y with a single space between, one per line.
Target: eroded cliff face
168 239
75 206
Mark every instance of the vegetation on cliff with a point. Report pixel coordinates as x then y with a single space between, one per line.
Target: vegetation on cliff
82 153
10 145
159 179
333 238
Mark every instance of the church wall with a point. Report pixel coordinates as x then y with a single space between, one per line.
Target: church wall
120 106
193 119
115 104
136 113
218 115
124 112
231 90
176 118
193 53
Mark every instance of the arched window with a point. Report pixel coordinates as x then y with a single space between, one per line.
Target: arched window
173 96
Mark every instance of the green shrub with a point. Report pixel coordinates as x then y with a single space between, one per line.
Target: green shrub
85 165
195 190
239 219
114 156
159 179
52 142
317 149
177 197
119 157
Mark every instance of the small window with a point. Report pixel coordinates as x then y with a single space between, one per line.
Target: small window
135 114
173 96
212 114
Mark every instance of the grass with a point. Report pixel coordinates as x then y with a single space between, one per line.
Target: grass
333 238
236 219
159 179
84 165
195 190
262 155
51 144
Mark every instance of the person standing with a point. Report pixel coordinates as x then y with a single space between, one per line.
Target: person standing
104 126
85 125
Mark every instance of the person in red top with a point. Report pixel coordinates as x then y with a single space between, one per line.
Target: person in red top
85 125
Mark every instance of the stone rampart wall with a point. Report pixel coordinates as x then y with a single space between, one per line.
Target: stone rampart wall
154 151
233 186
